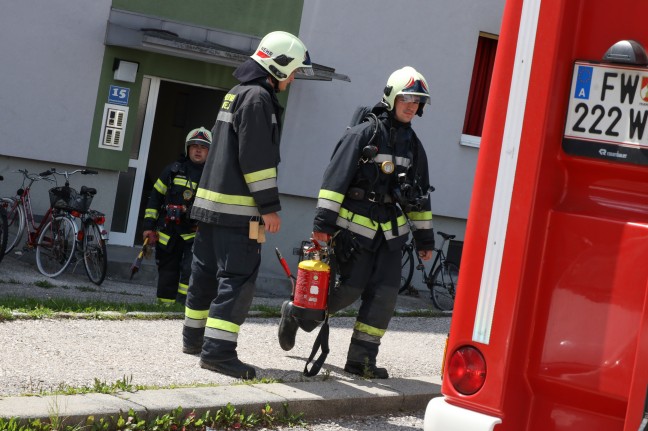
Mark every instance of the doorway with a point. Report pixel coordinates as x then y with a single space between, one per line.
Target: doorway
167 112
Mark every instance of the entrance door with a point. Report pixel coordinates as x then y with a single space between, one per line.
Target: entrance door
167 111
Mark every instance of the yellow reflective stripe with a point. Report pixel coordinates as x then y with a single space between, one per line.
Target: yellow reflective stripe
165 301
223 325
400 221
420 215
242 210
163 238
196 314
260 175
182 181
331 195
358 219
188 236
367 232
227 199
151 213
160 187
370 330
182 288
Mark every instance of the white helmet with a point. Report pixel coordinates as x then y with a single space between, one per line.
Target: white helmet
281 53
199 136
406 82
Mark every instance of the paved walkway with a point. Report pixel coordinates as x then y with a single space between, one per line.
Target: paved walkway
43 355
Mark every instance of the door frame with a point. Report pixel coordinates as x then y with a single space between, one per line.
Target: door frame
128 238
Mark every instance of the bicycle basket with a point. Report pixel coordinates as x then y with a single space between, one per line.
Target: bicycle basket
68 199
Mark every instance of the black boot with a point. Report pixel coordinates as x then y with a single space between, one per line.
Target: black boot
233 367
361 360
192 340
366 370
287 327
220 356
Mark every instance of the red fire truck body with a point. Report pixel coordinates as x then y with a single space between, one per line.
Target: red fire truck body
550 326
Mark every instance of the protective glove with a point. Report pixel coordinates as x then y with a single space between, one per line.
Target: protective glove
151 235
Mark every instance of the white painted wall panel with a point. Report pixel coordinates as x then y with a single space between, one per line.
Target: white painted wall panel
51 55
367 40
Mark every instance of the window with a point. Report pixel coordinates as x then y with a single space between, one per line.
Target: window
479 86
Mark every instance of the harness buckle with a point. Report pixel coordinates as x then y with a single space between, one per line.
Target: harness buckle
372 197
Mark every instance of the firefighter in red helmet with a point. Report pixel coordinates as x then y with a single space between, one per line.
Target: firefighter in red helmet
377 178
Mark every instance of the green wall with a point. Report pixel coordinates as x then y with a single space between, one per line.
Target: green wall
254 17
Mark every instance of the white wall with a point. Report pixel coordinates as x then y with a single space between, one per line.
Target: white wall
367 40
51 55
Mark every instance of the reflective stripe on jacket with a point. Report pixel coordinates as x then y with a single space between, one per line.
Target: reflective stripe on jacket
241 179
176 185
376 211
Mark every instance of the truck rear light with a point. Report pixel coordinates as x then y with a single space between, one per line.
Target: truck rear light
467 370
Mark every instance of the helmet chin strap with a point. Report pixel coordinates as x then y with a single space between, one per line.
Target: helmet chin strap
274 82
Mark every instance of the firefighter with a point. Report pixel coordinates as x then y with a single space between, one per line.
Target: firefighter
375 187
166 219
237 202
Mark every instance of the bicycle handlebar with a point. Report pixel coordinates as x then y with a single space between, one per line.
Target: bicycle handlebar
35 177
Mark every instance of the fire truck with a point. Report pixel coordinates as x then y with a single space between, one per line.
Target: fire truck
550 325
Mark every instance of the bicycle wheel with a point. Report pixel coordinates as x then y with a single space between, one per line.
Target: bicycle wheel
16 220
407 268
444 286
3 232
95 258
56 246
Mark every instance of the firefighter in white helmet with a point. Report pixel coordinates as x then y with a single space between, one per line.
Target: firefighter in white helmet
166 219
237 194
376 179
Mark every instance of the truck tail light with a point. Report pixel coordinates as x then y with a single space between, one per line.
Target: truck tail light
467 370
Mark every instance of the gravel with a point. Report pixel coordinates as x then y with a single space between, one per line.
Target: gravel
50 354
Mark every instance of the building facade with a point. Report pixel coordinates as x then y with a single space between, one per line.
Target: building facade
115 85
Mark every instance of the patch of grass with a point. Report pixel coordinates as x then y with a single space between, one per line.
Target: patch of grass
10 281
225 418
45 284
47 307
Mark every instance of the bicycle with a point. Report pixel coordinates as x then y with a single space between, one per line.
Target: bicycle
63 237
20 217
441 279
3 229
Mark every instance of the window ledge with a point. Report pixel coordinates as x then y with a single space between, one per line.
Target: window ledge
470 141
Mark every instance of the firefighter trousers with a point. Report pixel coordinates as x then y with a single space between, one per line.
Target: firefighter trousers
174 268
373 277
221 288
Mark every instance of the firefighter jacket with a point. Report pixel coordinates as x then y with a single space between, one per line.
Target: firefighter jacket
359 194
170 202
240 181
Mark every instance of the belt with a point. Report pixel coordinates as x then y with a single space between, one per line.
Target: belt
359 194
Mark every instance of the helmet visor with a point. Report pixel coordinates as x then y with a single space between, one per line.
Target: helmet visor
414 98
307 68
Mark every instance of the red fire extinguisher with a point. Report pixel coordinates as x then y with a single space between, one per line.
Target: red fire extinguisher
310 290
310 297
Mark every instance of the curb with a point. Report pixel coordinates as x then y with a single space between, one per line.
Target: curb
315 400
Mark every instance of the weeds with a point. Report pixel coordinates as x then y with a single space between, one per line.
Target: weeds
224 419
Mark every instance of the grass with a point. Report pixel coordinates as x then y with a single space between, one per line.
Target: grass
225 418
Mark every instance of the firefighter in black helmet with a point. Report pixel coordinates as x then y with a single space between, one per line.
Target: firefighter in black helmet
237 202
377 178
166 219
